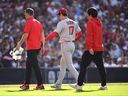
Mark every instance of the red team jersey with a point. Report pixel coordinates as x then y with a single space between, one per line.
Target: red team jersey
34 29
94 35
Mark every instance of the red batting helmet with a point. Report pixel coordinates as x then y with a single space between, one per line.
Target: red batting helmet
62 11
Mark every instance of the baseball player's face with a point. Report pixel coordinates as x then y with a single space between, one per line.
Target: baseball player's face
60 16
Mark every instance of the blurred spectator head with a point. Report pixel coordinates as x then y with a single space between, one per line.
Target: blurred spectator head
113 14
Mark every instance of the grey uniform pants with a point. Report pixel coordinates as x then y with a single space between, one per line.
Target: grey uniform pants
67 49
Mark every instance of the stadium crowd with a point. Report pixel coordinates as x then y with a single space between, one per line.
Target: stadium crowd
113 13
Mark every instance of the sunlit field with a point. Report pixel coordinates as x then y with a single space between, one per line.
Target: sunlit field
90 89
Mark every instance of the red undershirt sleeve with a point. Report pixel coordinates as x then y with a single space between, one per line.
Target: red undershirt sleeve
50 36
78 35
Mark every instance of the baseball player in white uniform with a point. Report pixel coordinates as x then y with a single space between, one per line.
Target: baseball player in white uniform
69 32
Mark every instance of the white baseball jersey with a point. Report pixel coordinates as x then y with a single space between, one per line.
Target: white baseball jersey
67 30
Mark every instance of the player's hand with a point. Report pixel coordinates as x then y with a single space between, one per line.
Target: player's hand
39 55
42 51
74 41
91 51
18 46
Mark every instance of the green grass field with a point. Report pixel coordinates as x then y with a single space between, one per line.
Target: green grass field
90 89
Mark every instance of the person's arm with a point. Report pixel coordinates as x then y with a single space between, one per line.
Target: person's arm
89 37
22 40
24 37
50 36
43 39
79 32
42 50
43 43
55 32
78 36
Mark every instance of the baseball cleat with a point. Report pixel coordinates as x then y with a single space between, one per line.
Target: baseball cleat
39 87
103 88
75 86
24 86
56 86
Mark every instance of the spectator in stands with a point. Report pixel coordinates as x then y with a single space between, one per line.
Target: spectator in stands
115 22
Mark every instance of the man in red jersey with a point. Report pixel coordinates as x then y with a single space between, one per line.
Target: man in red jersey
93 49
34 37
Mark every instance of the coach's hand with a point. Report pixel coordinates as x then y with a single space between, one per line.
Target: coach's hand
42 50
91 51
18 46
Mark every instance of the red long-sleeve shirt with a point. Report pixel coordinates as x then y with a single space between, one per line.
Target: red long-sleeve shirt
53 34
94 35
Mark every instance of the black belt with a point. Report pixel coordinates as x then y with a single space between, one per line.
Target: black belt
69 41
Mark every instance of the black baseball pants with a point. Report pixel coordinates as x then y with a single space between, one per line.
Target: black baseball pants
86 60
32 63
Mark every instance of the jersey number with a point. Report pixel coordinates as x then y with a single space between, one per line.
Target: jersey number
71 30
